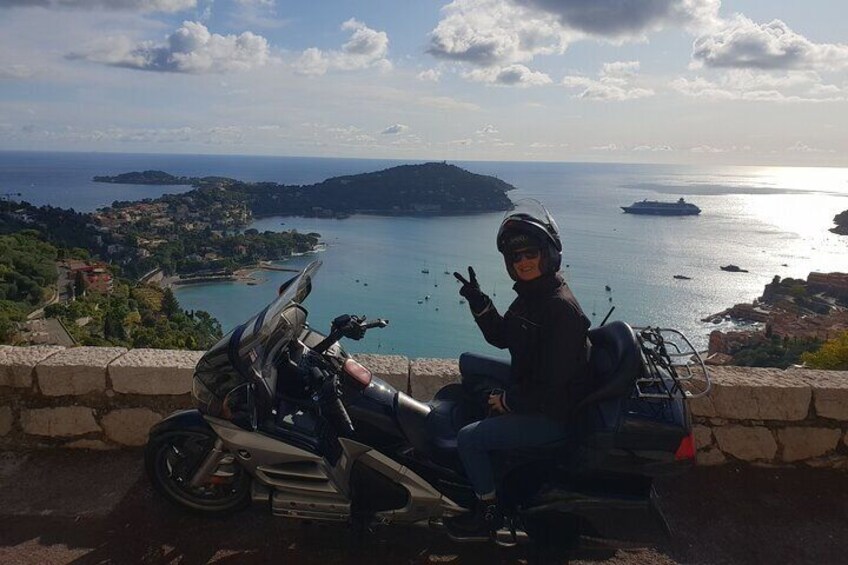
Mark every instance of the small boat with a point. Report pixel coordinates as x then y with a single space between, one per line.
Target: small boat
427 297
425 271
733 269
364 284
447 272
420 302
357 280
682 277
607 287
461 301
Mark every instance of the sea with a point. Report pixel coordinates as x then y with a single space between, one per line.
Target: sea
767 220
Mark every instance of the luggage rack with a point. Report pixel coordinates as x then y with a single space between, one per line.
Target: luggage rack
670 365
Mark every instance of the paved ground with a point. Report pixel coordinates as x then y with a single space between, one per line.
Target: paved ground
87 508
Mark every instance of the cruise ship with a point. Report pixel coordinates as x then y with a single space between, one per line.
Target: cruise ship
656 208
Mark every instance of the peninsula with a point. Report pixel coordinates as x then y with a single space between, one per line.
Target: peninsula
147 177
202 232
426 189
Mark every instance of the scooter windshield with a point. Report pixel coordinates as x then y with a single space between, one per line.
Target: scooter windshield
244 354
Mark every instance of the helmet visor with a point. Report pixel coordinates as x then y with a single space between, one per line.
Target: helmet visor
532 209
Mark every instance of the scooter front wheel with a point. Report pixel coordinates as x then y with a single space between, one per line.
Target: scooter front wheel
172 458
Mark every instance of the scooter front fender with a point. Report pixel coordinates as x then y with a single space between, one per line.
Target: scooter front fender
181 420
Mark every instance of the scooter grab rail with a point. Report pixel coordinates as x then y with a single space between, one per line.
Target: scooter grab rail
660 366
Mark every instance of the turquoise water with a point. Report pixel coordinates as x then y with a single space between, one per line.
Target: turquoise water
758 218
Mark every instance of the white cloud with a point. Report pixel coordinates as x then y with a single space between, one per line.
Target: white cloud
494 32
488 129
256 3
748 85
740 43
502 32
706 149
395 129
447 103
430 75
190 49
653 148
128 5
800 147
615 82
366 48
16 71
513 75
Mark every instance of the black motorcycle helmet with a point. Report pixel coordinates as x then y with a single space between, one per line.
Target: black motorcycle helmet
530 224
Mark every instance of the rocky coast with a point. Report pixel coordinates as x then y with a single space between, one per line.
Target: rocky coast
798 312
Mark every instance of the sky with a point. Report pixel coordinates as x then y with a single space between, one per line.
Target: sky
754 82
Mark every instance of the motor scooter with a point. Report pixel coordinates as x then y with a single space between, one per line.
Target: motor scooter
286 419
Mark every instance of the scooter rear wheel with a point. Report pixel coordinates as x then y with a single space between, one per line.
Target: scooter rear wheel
172 458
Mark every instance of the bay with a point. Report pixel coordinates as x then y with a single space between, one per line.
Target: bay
770 221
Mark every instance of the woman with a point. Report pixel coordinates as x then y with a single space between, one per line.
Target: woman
545 331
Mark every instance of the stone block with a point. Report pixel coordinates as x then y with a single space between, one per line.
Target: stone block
747 393
702 406
394 369
92 444
830 392
6 420
835 461
17 363
807 443
703 437
710 456
75 371
154 371
427 376
65 421
129 426
746 443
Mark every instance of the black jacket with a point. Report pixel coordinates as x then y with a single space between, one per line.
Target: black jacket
545 331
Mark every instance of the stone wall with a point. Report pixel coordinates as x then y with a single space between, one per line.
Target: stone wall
108 397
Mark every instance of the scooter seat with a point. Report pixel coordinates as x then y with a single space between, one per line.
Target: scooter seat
433 426
445 420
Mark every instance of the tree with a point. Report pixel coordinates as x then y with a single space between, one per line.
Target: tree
80 284
170 305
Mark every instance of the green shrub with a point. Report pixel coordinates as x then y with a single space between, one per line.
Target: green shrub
832 355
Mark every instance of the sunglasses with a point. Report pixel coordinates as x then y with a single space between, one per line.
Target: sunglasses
517 256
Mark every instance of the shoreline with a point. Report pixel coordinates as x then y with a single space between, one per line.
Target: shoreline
243 275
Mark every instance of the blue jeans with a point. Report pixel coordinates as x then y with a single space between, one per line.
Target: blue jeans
508 431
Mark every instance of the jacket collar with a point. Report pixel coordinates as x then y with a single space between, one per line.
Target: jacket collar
542 286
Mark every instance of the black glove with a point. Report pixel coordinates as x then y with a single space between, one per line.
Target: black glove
477 300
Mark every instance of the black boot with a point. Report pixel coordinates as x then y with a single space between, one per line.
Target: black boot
477 525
